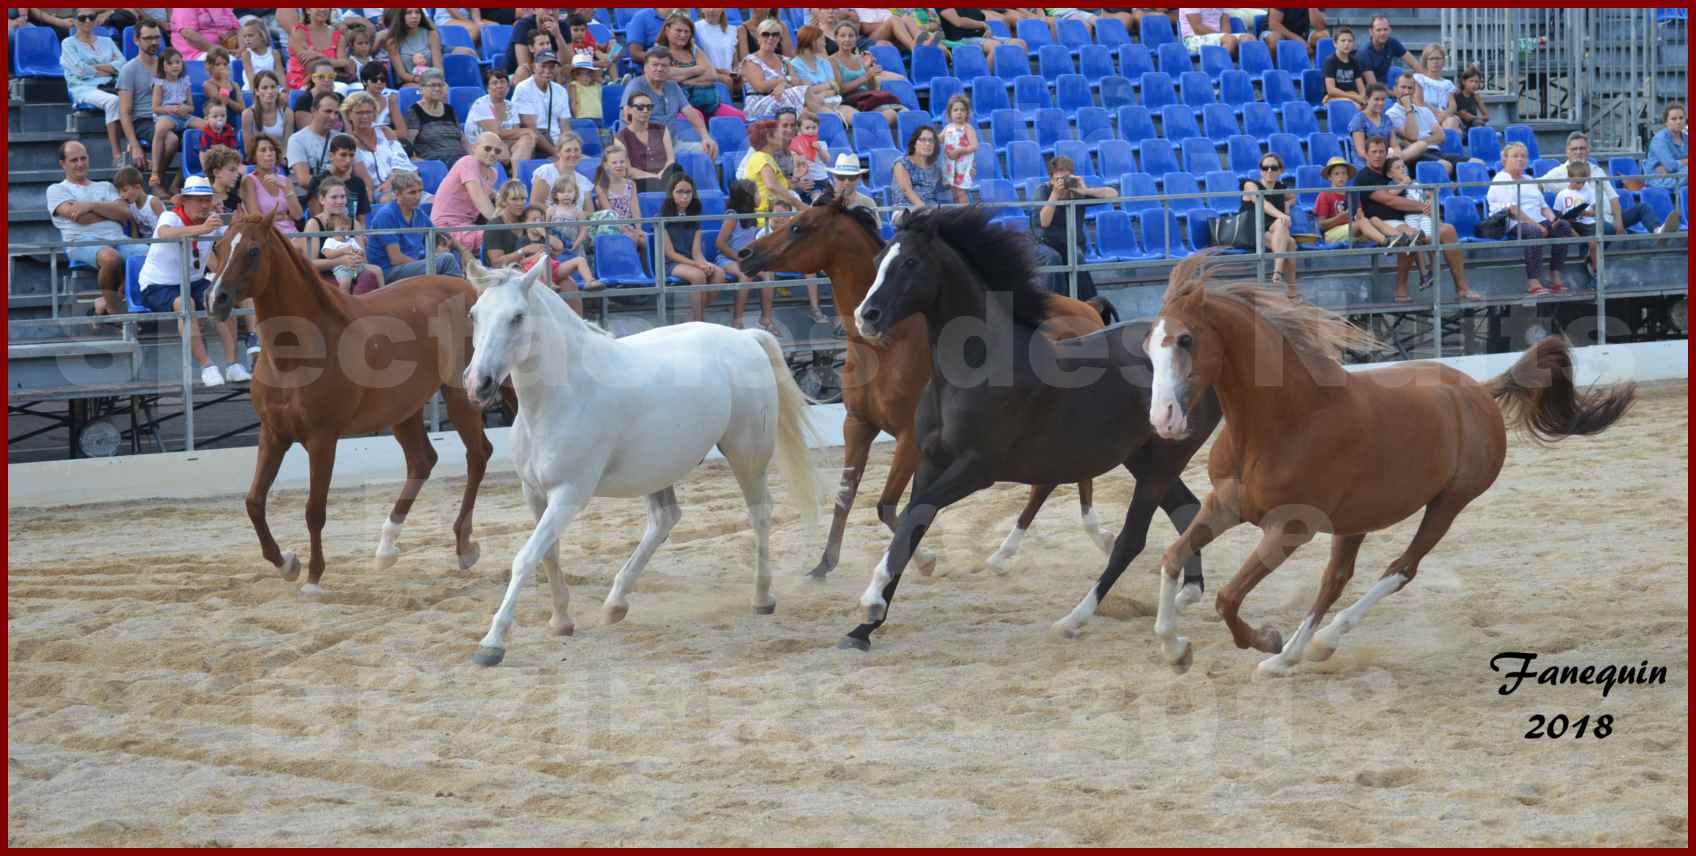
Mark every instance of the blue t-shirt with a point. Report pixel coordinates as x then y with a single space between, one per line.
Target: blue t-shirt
411 245
1383 128
1378 62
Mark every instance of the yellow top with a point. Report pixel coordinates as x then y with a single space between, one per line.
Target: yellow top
751 171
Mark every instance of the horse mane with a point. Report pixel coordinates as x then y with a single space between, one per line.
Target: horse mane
866 220
486 277
1004 261
1313 331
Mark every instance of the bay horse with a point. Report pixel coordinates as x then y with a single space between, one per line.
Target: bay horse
333 365
629 417
881 382
1007 404
1310 448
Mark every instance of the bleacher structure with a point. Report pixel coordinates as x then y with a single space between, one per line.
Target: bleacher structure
1161 125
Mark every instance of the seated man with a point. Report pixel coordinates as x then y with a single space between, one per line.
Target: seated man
1375 198
162 286
135 100
402 255
84 210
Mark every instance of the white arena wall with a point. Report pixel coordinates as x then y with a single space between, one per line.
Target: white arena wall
376 460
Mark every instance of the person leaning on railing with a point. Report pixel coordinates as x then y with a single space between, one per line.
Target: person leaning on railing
1051 218
1375 198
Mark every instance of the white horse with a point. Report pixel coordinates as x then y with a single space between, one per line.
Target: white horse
599 416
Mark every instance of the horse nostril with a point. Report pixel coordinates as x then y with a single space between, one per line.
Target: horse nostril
871 314
745 253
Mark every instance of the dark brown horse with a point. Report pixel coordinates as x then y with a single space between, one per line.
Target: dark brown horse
334 364
881 383
1308 447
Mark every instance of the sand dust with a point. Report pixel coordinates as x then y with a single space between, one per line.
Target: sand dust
166 687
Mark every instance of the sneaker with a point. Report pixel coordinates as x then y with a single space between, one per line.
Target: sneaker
236 373
211 376
1671 224
252 344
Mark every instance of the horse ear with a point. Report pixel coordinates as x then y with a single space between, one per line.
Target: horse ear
538 273
478 275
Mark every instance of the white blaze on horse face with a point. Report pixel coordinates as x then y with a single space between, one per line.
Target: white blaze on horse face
218 278
1165 411
877 282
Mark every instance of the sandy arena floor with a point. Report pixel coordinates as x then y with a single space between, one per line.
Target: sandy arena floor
166 687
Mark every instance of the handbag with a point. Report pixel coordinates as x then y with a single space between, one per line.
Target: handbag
1495 226
1234 230
865 100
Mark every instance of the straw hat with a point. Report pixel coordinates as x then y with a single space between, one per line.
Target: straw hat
847 164
1336 162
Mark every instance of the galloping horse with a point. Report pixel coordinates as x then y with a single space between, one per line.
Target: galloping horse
881 382
1010 405
629 417
1310 448
333 365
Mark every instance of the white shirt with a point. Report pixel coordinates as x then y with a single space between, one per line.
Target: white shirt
1423 118
1558 181
1527 197
93 191
1567 198
482 110
1435 89
381 163
549 172
309 147
718 45
164 259
532 101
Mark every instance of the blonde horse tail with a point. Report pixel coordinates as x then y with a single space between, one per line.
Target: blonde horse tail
794 461
1537 395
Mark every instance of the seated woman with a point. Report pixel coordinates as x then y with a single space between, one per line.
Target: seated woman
648 144
339 258
918 178
1276 206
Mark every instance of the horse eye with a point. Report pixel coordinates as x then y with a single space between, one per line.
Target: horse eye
795 230
910 262
517 319
1184 341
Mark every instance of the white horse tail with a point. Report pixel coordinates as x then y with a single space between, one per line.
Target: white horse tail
794 460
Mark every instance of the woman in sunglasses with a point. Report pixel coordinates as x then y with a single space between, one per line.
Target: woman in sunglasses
649 144
1276 205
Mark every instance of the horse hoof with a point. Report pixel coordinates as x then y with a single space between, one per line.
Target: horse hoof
767 609
1319 652
615 614
487 656
311 590
562 629
997 563
818 574
1271 667
854 643
1065 628
384 561
926 562
468 559
1187 595
290 567
1272 642
1183 661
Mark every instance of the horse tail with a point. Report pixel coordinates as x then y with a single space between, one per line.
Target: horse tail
794 460
1538 396
1105 308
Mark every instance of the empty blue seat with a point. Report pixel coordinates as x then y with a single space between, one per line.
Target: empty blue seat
1116 92
882 172
1277 88
1224 182
1157 156
1111 32
700 168
1338 115
998 29
1292 56
495 39
731 133
929 62
1141 187
1200 157
1462 213
1215 61
1030 94
461 70
1117 158
1299 118
1156 30
1051 62
454 36
1322 147
942 88
1115 240
462 97
1172 59
903 90
1082 163
1024 162
1244 154
1135 61
1035 33
1074 34
1432 172
987 165
618 263
132 281
1095 124
1157 90
970 64
1196 89
988 94
1162 234
431 173
35 53
1253 57
407 97
1095 62
1051 128
1452 143
1260 121
527 171
1309 176
1659 200
1236 88
1136 123
1010 62
1288 148
1485 144
1071 92
1312 82
1176 184
1005 126
999 190
1522 134
831 130
871 131
1178 123
1218 123
889 57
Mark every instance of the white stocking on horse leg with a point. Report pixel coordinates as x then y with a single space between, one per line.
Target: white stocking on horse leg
663 513
562 506
1002 558
1175 648
387 552
1326 641
1280 664
873 600
1092 528
1080 614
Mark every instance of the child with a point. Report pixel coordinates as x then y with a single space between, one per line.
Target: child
144 209
539 41
1332 209
738 230
1342 73
1414 228
683 257
568 207
220 87
1577 191
343 240
256 53
562 263
1469 108
810 152
173 109
615 192
585 88
582 40
216 130
960 146
362 49
323 80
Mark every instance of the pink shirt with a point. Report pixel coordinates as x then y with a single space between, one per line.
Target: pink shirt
452 205
1211 17
211 24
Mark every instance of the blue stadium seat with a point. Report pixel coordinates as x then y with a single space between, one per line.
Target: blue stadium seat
999 190
527 170
1071 92
1136 123
731 133
1215 61
1030 94
431 173
903 90
1338 116
1322 147
1157 229
1175 183
1011 62
1051 62
1138 184
890 58
1116 92
1156 30
1253 57
1485 144
1177 122
1462 213
1619 169
701 169
1288 148
1432 172
1244 154
1313 87
1390 78
1035 33
128 43
1522 134
190 143
495 38
1024 162
1095 62
1082 163
1452 143
882 167
1292 57
1684 207
1135 61
36 53
132 283
831 130
1196 89
942 88
462 97
1659 200
454 36
1299 118
1111 32
1277 88
1200 157
1157 90
729 161
1538 166
1309 175
612 95
1172 60
1095 124
908 122
998 30
617 262
971 64
1074 34
1115 240
1005 126
1051 128
929 62
871 131
988 166
1218 123
1260 121
461 70
1157 156
988 95
1117 158
1236 88
1224 181
1323 50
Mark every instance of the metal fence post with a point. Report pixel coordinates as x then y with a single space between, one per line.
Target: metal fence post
1072 210
186 317
1601 273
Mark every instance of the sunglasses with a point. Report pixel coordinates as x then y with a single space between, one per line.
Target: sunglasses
85 18
324 75
768 35
1271 167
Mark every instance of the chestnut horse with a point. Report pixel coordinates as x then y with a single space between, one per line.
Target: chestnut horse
1309 448
333 364
881 383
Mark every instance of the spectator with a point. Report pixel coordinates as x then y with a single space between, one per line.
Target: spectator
809 152
883 25
1529 219
586 89
1435 91
200 30
583 44
1205 27
266 190
845 176
648 144
1342 72
685 257
374 79
716 38
800 179
345 167
1580 191
224 171
435 128
359 45
135 97
91 65
736 232
1613 219
84 210
859 78
670 102
543 104
748 35
967 27
771 182
337 258
615 195
1469 108
564 164
410 44
1276 206
257 55
918 178
173 108
144 209
316 39
1420 133
814 68
1372 121
466 193
323 82
1331 209
693 70
161 275
1375 198
518 55
960 146
215 131
268 116
219 86
468 19
309 147
401 256
540 43
1380 51
1304 25
507 246
1669 151
643 30
494 114
1051 218
379 151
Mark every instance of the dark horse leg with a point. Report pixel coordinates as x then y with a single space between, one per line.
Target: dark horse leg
271 451
468 420
857 436
420 461
321 449
962 478
1181 507
1003 556
1150 494
901 469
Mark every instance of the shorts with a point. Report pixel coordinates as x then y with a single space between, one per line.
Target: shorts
87 255
471 240
1193 43
974 41
160 298
1075 15
1337 234
143 130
